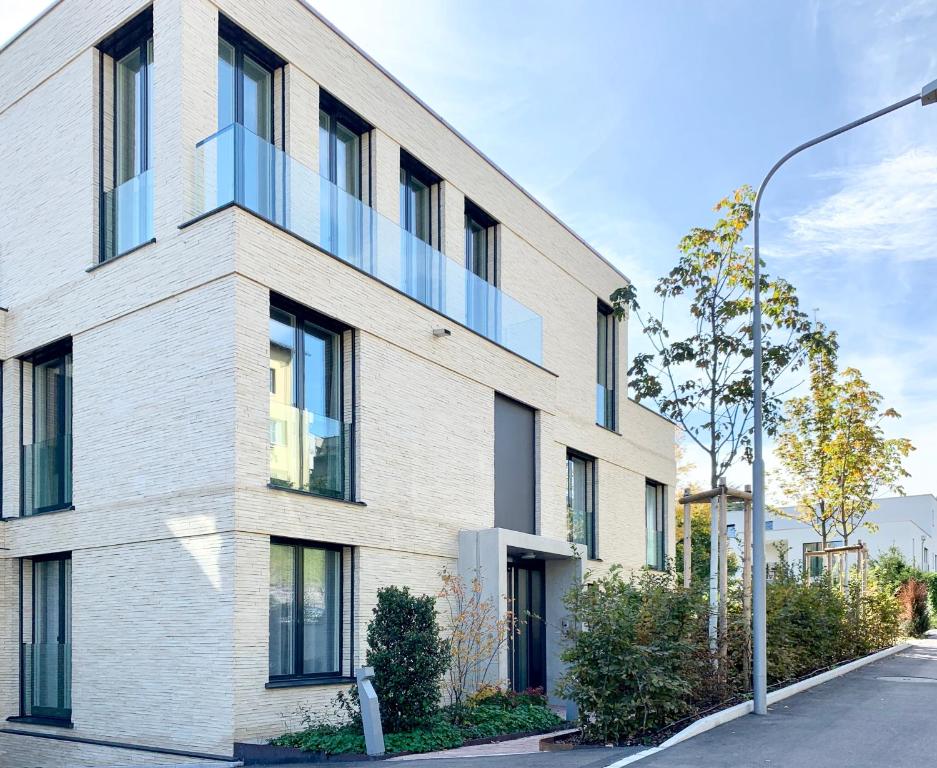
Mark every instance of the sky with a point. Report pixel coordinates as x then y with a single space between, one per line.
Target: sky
630 120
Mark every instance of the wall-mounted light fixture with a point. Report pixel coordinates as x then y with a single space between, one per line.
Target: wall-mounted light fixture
441 332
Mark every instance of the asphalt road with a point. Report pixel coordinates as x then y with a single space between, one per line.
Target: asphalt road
883 714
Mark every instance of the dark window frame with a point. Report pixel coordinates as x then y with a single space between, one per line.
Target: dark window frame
591 467
303 314
605 312
136 33
298 628
338 112
488 223
58 349
661 516
414 169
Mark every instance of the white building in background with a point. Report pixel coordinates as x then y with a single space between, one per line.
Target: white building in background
906 522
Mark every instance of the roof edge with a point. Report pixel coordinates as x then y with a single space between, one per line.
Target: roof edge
30 24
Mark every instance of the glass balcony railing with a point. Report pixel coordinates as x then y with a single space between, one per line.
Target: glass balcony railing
47 475
235 165
308 451
47 677
128 215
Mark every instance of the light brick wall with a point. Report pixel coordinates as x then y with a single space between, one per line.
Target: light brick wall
170 535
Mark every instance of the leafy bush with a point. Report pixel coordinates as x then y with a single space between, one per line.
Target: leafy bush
487 720
507 698
931 580
409 658
891 570
912 597
633 653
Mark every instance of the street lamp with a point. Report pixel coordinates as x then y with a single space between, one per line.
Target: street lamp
928 95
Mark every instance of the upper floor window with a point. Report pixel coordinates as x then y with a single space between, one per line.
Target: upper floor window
245 84
309 438
606 367
655 507
580 500
126 151
480 243
423 266
47 459
415 201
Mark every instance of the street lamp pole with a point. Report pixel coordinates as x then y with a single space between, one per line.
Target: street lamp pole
928 95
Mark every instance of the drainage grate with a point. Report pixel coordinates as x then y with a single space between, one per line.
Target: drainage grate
907 679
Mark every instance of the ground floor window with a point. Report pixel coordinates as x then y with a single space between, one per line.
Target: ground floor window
305 610
655 512
46 651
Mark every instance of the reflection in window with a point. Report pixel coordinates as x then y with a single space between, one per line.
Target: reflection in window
580 501
606 367
655 509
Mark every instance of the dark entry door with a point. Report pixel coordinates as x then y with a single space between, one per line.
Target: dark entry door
528 644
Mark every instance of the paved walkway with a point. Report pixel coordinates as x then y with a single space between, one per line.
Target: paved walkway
883 714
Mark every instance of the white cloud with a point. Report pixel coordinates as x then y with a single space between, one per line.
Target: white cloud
882 210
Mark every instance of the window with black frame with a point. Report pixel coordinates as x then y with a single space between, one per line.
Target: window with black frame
481 263
655 505
422 264
309 437
341 140
126 148
606 367
305 610
580 501
247 161
47 459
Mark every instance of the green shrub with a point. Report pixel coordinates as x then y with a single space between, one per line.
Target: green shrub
931 580
890 570
633 653
487 720
912 597
409 658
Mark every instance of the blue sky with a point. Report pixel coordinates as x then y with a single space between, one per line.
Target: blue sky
630 119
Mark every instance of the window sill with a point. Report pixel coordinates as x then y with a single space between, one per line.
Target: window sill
136 248
307 681
276 487
56 511
30 720
608 429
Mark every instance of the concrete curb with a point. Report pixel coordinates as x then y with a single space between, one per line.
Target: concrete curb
740 710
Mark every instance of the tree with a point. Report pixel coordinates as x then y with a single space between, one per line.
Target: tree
703 380
834 450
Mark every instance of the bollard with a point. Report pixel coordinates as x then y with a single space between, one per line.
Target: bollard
370 712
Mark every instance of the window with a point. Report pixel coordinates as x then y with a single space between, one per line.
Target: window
341 135
607 366
309 439
247 72
423 266
481 262
655 511
580 500
305 610
47 460
47 627
126 182
814 566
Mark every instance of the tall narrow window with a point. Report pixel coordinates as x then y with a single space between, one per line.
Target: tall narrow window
308 437
47 630
127 189
655 513
247 161
423 267
606 368
482 302
47 461
342 217
580 500
305 610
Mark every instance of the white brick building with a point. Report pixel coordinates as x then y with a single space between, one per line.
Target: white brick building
275 336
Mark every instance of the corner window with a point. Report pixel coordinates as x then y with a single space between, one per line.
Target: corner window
309 438
47 458
126 148
606 368
580 500
655 513
305 610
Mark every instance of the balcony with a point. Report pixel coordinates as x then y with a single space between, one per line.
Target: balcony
127 213
236 166
47 475
309 452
